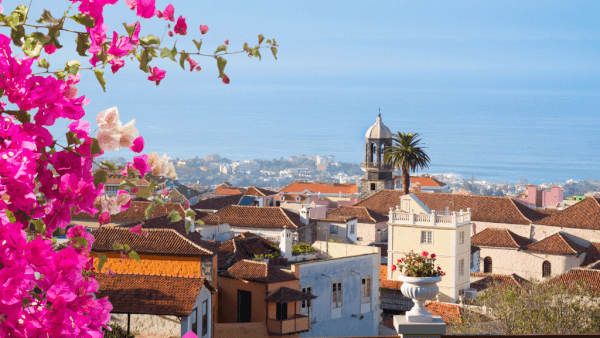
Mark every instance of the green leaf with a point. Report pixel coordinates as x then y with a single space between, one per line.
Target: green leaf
10 215
130 29
126 247
72 138
100 76
127 183
39 226
261 38
150 40
221 62
134 255
83 43
34 43
187 227
47 18
101 260
166 53
43 63
152 51
144 59
199 222
221 48
174 216
255 52
159 201
16 34
268 41
152 185
82 242
198 44
54 33
96 147
110 165
17 16
23 116
246 49
117 246
72 67
174 50
274 43
149 210
182 57
61 76
274 51
84 19
99 177
190 213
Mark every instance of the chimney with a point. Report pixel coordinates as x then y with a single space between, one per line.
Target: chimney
285 244
304 216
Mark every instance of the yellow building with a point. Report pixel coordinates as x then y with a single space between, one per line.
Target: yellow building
412 226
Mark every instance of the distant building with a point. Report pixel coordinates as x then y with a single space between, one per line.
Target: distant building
539 198
212 157
378 175
427 184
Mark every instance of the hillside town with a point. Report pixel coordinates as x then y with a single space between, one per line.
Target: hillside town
319 258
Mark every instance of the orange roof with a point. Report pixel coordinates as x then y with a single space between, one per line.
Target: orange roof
323 188
590 279
582 215
592 256
363 214
135 212
388 284
557 244
424 181
255 217
501 238
226 191
450 313
254 191
258 271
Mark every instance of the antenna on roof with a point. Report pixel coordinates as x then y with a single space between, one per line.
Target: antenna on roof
379 112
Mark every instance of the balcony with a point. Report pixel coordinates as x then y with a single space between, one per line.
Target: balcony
295 324
436 218
376 166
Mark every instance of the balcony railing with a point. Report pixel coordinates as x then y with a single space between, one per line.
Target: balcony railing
375 165
297 323
435 218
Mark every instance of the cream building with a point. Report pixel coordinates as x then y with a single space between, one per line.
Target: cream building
412 226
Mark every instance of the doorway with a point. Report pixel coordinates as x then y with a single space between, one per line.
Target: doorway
244 306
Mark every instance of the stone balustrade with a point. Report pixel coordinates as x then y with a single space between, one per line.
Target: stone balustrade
436 218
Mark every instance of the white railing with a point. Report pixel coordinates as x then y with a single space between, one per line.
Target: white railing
446 218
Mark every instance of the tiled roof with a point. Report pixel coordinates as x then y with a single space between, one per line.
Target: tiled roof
166 242
586 277
483 208
557 244
321 188
226 191
582 215
389 323
224 185
150 294
258 271
217 203
237 249
450 313
187 192
501 238
287 295
363 214
135 212
592 256
385 283
255 217
337 219
424 181
254 191
490 279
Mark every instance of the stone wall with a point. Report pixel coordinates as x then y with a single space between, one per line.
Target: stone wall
140 324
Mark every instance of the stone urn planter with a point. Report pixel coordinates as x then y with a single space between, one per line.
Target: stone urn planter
419 289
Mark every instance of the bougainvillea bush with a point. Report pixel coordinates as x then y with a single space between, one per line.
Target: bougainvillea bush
45 177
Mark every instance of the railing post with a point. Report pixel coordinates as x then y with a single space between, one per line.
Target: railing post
411 217
391 216
432 220
454 218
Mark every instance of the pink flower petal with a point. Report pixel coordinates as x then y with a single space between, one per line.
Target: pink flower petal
136 229
146 8
225 79
110 273
169 13
181 26
104 218
138 144
116 64
50 49
203 29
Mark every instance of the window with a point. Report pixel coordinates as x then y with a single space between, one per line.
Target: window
359 239
461 267
426 237
546 269
195 321
406 206
365 290
305 304
487 265
336 295
351 228
281 313
333 229
111 188
204 317
462 237
373 186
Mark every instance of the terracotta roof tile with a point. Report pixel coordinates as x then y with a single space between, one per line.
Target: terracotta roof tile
255 217
582 215
226 191
450 313
592 256
363 214
587 277
254 191
237 249
217 203
287 295
389 323
150 294
135 212
321 188
490 279
501 238
258 271
166 242
337 219
557 244
385 283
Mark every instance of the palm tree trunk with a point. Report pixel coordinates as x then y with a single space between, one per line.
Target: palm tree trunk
405 179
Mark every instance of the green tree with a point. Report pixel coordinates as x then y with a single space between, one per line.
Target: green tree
406 154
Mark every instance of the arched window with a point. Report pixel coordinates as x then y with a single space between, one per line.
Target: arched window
546 269
487 265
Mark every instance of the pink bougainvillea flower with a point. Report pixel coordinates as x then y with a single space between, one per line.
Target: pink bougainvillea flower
190 334
50 49
135 36
198 68
120 47
136 208
80 128
145 233
425 253
165 193
135 191
104 218
169 13
439 268
186 205
124 200
181 27
225 79
192 63
227 42
157 75
136 229
203 29
146 8
132 4
393 268
170 33
138 144
141 164
432 255
116 64
159 14
110 273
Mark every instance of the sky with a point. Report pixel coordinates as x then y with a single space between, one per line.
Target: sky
332 53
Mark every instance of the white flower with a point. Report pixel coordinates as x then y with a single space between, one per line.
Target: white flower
110 205
109 139
108 118
128 134
123 199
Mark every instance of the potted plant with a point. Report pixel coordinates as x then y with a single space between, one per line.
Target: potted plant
419 282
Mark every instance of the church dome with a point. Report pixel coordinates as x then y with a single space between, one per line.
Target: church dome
379 130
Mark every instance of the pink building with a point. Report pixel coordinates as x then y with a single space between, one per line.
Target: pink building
542 198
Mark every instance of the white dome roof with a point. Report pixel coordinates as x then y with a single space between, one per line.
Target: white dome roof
378 130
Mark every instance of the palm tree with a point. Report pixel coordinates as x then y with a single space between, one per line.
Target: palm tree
406 154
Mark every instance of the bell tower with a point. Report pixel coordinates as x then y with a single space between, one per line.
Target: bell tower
378 176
